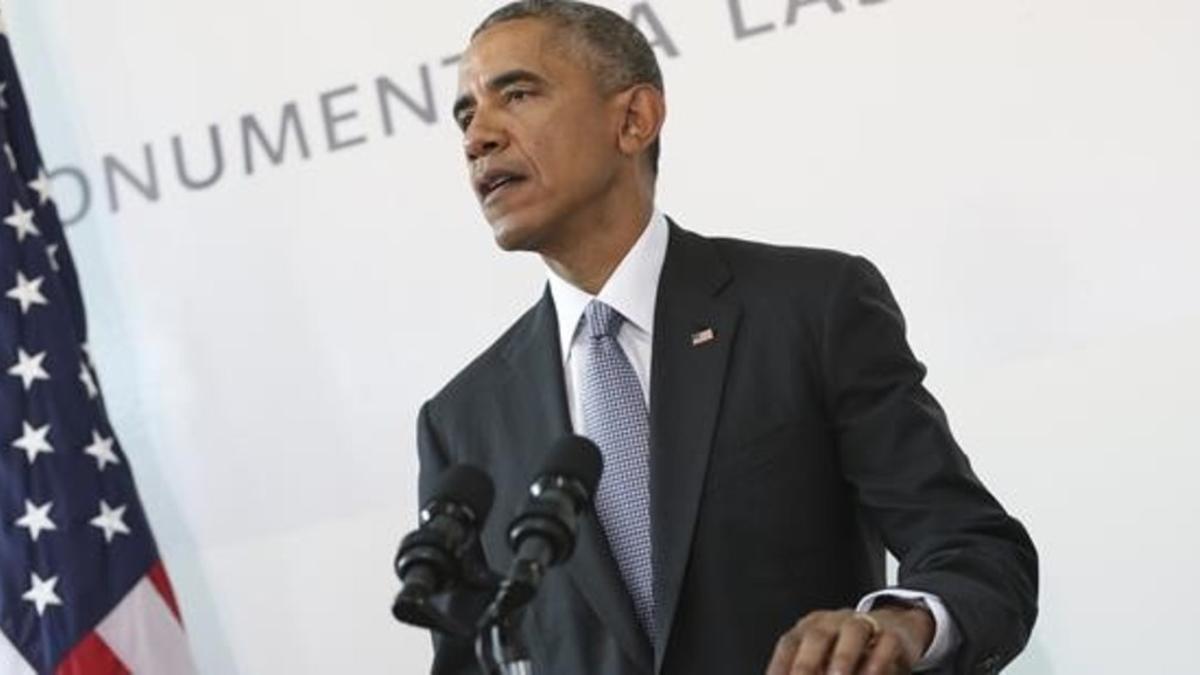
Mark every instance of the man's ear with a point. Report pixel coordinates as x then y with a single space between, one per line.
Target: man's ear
645 110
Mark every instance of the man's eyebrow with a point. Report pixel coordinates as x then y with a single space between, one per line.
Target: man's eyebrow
514 76
497 83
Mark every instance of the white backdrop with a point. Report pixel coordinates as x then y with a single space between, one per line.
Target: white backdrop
1024 172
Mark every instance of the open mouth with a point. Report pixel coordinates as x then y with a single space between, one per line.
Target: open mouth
496 183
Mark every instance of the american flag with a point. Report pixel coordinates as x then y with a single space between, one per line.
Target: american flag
82 589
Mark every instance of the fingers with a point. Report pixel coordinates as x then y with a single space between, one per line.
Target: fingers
785 651
842 643
852 643
886 656
823 642
814 647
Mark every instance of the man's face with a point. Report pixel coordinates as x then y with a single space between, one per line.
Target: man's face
540 138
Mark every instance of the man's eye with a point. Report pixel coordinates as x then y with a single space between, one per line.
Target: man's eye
464 121
516 95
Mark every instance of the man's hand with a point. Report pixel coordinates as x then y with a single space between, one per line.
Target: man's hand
847 643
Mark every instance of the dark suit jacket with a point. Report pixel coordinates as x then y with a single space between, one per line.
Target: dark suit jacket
786 454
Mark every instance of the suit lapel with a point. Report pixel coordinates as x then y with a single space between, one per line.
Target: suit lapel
537 361
693 336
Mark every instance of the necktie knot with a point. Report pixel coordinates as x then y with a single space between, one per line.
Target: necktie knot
602 320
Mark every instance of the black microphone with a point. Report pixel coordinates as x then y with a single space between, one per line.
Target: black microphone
430 558
544 531
542 535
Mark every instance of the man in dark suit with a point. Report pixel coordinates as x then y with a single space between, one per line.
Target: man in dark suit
765 431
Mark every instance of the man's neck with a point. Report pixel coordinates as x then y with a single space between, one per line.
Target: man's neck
590 258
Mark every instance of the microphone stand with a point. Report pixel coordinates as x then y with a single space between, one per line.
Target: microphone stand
499 645
501 649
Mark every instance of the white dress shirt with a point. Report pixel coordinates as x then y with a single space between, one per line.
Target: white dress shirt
632 290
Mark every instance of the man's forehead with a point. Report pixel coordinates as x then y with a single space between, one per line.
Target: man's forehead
520 44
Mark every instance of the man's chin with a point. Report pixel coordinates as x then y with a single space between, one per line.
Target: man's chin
512 235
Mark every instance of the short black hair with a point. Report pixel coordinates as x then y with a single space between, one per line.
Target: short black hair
620 56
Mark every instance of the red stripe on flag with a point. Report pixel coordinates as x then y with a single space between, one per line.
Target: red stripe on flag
158 577
91 657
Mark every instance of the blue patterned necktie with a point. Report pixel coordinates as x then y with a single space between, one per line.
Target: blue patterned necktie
615 417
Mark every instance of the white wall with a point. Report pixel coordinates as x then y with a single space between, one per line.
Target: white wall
1024 172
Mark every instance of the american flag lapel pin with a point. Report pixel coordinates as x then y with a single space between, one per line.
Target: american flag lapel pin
703 337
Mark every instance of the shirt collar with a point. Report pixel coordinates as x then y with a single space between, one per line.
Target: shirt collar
632 289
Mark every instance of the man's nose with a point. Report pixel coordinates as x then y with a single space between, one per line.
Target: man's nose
482 138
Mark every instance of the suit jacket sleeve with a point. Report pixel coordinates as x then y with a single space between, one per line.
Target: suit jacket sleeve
914 483
452 656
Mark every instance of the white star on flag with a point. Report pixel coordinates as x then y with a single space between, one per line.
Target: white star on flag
12 158
41 593
110 521
102 449
36 519
29 368
89 382
27 292
33 441
22 221
41 185
3 102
